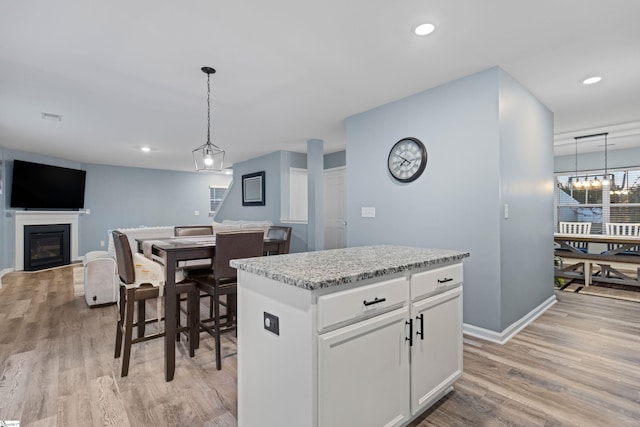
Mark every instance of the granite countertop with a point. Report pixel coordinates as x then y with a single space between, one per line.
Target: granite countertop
323 269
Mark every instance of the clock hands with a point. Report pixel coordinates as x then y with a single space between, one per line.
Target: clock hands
404 160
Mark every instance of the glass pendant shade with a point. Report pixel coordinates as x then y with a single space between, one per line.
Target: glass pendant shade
208 157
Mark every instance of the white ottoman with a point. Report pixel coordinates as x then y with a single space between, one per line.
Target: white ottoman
100 278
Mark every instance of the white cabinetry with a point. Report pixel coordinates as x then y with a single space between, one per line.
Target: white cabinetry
436 353
378 354
363 374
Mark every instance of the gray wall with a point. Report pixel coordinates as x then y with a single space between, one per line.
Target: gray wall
526 186
276 166
457 202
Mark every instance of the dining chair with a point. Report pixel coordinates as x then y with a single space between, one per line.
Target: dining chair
192 268
576 228
142 279
279 233
223 282
197 267
623 229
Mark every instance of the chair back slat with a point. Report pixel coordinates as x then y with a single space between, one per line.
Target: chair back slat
193 230
575 227
235 245
124 258
623 229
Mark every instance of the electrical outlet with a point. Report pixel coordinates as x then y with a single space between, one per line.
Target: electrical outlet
272 323
87 211
101 242
196 213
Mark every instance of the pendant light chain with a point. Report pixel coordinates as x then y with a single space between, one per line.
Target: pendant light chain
208 108
208 157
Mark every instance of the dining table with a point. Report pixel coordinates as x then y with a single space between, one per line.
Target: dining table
169 251
607 251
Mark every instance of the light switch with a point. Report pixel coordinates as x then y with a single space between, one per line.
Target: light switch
368 212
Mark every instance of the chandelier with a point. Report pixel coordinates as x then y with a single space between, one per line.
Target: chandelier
595 182
208 157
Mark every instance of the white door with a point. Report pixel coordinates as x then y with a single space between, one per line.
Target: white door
436 353
363 373
335 219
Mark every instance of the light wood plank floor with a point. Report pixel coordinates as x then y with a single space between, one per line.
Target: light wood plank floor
578 364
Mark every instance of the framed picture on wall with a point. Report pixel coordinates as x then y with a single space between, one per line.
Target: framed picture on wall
253 189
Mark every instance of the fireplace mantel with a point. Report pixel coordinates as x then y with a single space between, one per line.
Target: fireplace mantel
43 218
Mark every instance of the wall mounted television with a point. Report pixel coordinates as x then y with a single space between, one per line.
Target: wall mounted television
39 186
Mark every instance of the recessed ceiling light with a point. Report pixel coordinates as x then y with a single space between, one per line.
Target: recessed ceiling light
591 80
145 149
424 29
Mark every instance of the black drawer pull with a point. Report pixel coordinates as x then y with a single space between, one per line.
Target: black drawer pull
410 338
420 333
445 280
375 301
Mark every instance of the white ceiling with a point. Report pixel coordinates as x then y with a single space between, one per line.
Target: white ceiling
123 74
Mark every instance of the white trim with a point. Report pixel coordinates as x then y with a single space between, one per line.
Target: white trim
3 272
511 331
43 218
337 168
293 221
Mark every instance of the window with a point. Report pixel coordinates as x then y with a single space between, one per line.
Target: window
617 202
216 195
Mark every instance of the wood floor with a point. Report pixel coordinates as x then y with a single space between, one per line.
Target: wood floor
577 364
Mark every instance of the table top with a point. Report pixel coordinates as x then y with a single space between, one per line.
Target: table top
186 242
323 269
597 238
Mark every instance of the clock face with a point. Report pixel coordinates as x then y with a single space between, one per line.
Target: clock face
407 159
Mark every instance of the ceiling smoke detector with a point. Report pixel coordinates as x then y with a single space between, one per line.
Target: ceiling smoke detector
52 116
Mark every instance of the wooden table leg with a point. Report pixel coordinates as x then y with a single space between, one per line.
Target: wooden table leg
170 316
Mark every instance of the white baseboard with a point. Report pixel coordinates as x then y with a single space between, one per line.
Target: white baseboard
507 334
3 272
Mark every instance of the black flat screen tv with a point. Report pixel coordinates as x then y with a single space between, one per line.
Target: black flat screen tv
38 186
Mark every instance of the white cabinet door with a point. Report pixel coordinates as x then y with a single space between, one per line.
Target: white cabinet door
436 353
363 373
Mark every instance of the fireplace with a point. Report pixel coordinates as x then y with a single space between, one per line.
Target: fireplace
46 246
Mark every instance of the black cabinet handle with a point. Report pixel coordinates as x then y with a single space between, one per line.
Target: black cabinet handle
375 301
420 333
445 280
410 339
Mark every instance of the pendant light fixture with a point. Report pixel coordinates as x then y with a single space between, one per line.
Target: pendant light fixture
577 184
208 157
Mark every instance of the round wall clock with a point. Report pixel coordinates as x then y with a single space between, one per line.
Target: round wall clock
407 159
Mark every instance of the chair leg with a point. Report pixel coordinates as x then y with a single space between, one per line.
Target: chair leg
178 315
120 322
142 315
128 331
216 315
193 305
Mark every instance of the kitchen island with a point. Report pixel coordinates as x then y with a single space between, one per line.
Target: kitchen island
364 336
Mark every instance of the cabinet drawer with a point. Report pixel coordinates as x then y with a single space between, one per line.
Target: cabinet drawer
433 281
352 304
